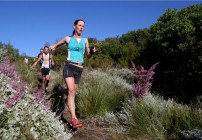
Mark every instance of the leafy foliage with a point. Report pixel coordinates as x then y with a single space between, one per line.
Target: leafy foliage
152 117
59 57
176 42
17 106
11 52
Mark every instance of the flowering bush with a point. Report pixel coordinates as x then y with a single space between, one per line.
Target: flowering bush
2 54
106 79
143 79
6 68
11 85
43 123
194 134
23 115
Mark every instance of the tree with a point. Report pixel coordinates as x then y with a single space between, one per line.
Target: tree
92 40
132 44
12 52
177 43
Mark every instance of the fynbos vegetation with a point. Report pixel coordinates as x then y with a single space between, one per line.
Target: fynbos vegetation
122 99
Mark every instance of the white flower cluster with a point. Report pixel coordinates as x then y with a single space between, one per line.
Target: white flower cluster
109 79
161 105
2 54
124 73
194 134
111 122
6 91
43 123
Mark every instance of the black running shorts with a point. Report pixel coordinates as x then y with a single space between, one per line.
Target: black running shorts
72 71
45 71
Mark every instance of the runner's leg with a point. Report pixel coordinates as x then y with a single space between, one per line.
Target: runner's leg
71 95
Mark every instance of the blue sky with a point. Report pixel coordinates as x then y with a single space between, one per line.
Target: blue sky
29 25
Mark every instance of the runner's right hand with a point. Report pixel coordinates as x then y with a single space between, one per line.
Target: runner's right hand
52 48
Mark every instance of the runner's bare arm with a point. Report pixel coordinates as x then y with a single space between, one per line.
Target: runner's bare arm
35 63
89 51
59 43
52 62
35 58
87 48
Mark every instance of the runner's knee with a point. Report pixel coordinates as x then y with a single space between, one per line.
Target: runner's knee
71 91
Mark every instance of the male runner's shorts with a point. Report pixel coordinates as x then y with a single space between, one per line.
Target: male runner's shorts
72 71
45 71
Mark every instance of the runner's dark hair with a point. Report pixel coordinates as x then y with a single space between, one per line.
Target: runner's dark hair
46 47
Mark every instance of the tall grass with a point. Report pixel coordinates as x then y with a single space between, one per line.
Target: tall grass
28 74
155 118
100 92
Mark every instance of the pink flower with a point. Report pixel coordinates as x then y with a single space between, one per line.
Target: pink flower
143 79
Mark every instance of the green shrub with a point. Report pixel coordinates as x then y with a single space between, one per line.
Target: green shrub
100 93
29 74
157 118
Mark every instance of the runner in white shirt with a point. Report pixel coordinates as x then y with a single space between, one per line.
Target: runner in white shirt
47 60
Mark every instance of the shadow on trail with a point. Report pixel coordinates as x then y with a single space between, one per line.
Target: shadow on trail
59 99
57 95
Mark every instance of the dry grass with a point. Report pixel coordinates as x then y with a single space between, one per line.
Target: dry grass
91 131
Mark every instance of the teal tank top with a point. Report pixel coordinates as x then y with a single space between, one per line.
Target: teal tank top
76 50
